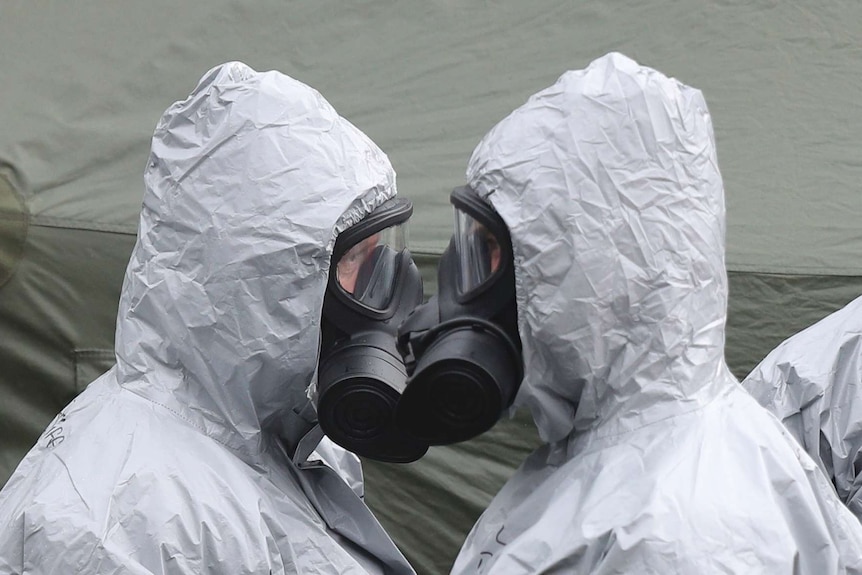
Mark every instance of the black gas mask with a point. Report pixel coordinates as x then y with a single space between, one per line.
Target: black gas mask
373 286
462 349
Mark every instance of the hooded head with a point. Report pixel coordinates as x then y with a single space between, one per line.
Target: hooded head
609 184
248 183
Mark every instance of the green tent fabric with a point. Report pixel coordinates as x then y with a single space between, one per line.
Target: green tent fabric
83 85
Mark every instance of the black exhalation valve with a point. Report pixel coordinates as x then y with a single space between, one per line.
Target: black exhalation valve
359 386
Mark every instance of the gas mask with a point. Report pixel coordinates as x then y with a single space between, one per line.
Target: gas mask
462 350
373 286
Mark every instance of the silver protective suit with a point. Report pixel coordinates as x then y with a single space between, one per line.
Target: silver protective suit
192 455
656 460
813 383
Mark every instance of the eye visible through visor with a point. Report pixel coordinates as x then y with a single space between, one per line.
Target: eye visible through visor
367 271
478 251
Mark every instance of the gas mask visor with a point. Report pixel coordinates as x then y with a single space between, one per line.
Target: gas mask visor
373 285
462 348
478 253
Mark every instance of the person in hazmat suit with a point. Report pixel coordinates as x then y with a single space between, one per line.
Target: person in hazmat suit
194 453
604 193
813 383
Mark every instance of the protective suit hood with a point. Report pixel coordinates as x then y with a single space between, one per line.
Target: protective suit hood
811 382
656 460
249 181
202 434
609 184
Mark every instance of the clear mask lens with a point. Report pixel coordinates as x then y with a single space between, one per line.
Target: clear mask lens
367 271
478 252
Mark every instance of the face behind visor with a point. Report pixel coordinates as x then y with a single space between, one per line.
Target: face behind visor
373 285
462 349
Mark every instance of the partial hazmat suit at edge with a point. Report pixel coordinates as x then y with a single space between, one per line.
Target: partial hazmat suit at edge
813 383
190 456
656 460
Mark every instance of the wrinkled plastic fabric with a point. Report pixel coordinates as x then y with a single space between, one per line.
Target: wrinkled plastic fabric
346 464
190 456
813 383
656 460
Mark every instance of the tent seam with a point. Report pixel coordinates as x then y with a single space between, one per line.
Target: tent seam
72 224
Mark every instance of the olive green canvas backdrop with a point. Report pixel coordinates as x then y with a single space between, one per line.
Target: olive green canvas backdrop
82 85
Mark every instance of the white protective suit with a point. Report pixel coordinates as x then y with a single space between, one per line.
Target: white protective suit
657 461
813 383
191 454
